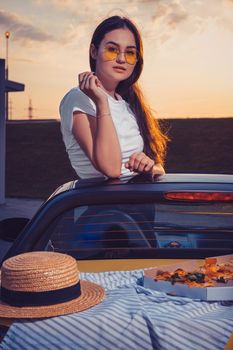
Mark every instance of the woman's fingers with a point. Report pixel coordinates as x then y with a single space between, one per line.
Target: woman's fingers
142 164
134 161
139 162
146 164
148 168
158 170
82 75
93 82
83 80
90 84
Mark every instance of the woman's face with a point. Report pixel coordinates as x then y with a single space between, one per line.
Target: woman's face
116 56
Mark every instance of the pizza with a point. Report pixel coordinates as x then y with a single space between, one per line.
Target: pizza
206 276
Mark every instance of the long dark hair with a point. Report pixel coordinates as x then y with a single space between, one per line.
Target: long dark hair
154 139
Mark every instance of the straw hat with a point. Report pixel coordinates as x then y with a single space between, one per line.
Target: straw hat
44 284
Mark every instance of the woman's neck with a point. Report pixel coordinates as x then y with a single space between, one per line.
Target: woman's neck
110 92
109 86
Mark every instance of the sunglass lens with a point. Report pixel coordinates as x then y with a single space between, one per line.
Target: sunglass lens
110 53
131 57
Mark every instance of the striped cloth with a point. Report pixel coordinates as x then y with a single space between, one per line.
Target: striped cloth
130 318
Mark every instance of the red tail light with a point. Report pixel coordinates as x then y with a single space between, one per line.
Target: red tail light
200 196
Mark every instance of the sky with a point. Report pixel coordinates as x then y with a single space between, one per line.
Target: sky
188 52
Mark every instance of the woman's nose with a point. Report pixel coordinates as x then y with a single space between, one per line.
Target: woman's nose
121 57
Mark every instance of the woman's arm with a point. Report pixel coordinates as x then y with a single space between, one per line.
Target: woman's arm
141 163
97 136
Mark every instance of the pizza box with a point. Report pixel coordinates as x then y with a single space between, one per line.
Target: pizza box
219 292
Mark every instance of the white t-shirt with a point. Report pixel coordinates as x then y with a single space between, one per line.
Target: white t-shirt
125 123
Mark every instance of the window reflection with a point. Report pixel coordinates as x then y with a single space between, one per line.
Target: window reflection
144 230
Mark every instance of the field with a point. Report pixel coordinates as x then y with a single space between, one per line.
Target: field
36 161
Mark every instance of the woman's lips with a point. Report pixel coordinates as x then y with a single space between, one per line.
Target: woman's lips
119 69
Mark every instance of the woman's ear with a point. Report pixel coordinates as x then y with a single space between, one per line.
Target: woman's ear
93 51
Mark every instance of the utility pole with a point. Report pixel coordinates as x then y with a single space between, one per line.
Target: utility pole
6 86
30 110
7 36
2 131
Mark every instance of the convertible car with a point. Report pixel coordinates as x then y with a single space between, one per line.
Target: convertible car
175 216
131 223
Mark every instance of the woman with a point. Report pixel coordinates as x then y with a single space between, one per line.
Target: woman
107 127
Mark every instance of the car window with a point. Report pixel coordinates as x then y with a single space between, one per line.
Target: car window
215 215
144 230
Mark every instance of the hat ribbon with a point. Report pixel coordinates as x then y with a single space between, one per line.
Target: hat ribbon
50 297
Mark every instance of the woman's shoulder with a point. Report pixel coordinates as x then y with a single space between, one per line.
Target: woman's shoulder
75 94
76 100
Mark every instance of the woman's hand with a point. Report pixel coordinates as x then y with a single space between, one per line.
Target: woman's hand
139 162
92 87
157 170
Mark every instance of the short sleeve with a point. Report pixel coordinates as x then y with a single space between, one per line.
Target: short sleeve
75 100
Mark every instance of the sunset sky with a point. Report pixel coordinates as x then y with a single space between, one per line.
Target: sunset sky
188 48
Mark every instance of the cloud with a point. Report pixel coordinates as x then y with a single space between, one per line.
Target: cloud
24 31
160 20
154 17
96 10
82 9
23 60
166 18
177 15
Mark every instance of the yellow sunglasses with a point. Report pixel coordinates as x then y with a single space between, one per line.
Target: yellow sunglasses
110 53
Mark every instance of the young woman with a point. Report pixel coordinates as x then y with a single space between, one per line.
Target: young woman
107 128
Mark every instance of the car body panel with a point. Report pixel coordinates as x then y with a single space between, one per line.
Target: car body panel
136 190
143 190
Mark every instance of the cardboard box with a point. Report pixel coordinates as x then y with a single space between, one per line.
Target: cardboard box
221 291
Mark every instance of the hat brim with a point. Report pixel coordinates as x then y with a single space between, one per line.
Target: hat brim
91 295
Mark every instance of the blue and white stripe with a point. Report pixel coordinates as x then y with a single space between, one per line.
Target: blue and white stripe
130 318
